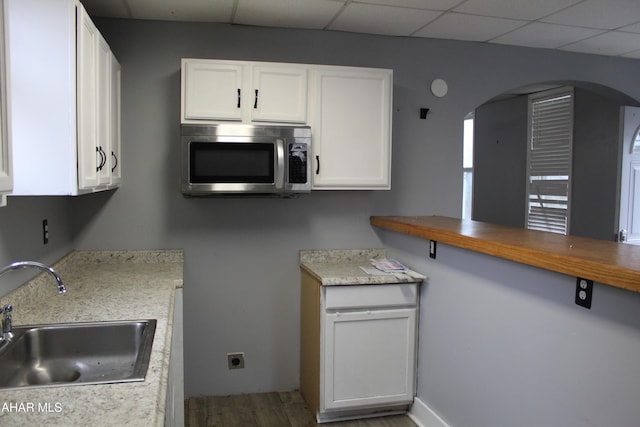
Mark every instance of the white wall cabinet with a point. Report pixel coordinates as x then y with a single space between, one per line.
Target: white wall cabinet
65 119
6 179
349 110
358 348
351 123
214 91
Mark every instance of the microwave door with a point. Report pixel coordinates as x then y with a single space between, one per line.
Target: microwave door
233 167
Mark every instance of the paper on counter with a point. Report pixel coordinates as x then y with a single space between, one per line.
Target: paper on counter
375 272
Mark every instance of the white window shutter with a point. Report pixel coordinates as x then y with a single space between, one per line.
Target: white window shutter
549 160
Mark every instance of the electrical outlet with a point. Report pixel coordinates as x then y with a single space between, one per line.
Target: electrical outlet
584 291
45 231
235 360
433 245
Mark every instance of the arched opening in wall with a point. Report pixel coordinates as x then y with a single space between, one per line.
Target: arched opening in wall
518 173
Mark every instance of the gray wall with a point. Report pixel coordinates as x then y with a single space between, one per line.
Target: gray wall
500 162
503 345
241 276
500 159
596 166
21 236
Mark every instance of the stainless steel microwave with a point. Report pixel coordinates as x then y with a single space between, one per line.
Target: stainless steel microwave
236 159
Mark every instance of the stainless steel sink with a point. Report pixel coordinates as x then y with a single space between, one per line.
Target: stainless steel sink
77 353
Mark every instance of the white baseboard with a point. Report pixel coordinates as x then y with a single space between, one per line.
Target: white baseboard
424 416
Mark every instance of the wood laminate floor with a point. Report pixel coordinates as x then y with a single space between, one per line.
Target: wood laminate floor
277 409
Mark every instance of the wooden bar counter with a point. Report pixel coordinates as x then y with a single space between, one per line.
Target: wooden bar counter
610 263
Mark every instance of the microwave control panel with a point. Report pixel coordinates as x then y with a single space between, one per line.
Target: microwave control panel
298 163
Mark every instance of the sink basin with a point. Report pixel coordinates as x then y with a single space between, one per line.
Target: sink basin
76 354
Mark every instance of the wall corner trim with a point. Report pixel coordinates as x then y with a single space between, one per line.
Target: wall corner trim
424 416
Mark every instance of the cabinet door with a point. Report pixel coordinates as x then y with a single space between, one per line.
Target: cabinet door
89 157
115 157
211 90
279 93
369 358
104 111
174 414
352 126
6 181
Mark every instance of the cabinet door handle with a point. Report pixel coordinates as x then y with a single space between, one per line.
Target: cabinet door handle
317 165
238 97
255 102
103 158
115 161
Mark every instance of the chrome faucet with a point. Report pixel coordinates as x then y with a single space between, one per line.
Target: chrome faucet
6 327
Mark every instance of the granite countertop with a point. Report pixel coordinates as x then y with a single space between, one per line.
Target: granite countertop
101 285
342 267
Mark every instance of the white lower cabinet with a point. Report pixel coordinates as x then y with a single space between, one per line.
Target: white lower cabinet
174 414
358 348
369 358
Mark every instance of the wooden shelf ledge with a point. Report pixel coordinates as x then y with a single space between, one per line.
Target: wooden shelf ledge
611 263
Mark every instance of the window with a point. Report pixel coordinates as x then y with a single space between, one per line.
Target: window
550 137
467 166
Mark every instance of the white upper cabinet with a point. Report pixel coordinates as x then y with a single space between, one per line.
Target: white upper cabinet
348 108
211 90
89 155
351 123
215 91
6 180
63 122
280 93
114 165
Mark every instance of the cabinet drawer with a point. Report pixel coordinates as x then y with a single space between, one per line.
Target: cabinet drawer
362 296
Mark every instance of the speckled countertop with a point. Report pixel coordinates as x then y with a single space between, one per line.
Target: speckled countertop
342 267
101 285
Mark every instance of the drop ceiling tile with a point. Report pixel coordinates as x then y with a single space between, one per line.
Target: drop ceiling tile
416 4
181 10
609 43
376 19
634 55
602 14
635 28
541 35
314 14
514 9
458 26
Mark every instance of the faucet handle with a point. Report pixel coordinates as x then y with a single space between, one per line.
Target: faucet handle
7 322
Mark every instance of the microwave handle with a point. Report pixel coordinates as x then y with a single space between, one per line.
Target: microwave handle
280 164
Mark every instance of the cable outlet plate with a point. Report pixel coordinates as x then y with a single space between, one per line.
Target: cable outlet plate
235 360
584 292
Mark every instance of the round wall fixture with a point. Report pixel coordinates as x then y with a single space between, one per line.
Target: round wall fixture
439 87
